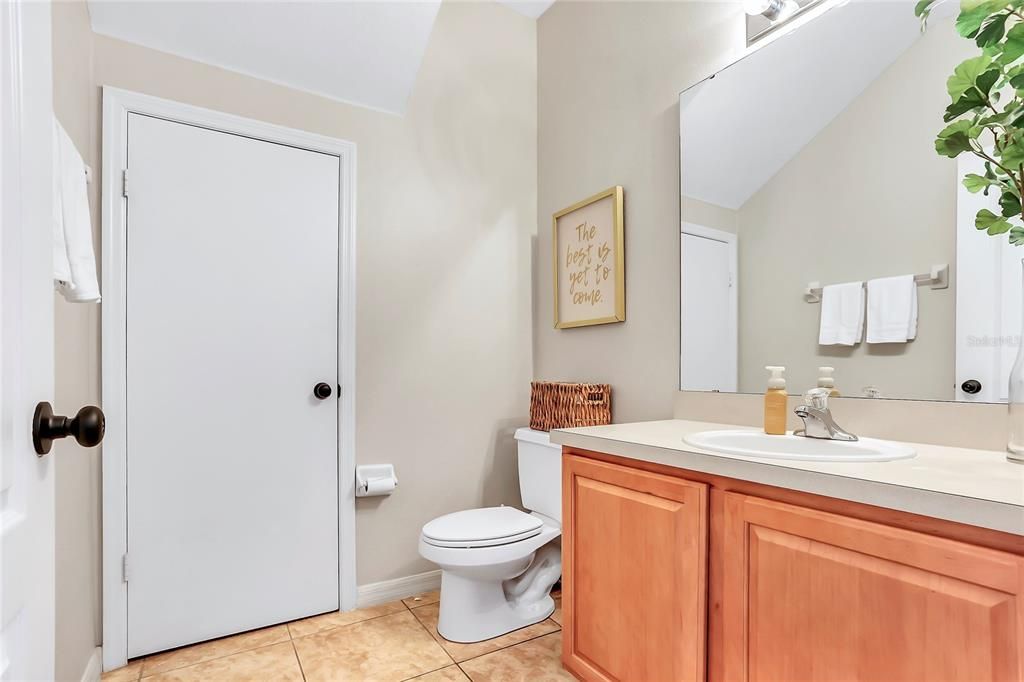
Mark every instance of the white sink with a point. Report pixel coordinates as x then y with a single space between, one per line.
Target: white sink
759 444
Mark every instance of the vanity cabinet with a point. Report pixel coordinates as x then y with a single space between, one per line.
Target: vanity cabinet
678 575
808 595
634 569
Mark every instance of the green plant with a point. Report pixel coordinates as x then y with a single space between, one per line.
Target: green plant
985 116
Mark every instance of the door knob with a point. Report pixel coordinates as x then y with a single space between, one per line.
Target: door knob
87 427
322 391
971 386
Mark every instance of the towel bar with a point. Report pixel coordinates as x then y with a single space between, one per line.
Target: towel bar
938 278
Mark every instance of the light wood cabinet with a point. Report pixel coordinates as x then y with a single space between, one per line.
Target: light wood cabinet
678 575
809 595
634 565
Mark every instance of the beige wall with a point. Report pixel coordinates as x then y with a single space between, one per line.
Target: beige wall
709 215
446 213
77 383
867 197
609 80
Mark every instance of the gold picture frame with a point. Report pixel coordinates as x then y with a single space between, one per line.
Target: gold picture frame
588 249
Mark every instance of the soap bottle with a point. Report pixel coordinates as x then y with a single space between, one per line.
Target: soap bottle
775 407
826 381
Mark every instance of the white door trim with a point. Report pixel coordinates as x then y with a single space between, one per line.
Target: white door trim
117 104
732 240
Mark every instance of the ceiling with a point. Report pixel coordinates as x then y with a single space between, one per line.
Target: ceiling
364 53
741 127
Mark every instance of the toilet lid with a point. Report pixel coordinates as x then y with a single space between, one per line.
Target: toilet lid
481 527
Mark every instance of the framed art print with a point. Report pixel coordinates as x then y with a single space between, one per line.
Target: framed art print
589 259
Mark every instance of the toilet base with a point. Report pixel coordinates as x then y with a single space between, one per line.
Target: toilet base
473 610
473 613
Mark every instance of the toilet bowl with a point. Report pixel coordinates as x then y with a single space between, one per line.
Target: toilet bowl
498 563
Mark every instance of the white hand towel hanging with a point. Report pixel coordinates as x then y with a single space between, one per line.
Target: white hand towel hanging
74 261
842 314
892 309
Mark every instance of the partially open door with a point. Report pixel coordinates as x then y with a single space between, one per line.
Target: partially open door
26 341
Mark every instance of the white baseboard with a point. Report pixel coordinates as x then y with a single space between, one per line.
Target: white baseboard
94 667
389 590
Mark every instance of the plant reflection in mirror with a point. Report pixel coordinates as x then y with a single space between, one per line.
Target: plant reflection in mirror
985 116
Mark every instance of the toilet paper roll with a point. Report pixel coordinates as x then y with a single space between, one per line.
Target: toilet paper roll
380 486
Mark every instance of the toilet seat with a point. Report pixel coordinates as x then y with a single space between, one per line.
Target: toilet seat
486 527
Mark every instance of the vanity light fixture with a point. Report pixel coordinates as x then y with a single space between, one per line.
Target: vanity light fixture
768 17
772 10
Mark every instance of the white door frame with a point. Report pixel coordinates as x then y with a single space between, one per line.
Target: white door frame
117 105
732 240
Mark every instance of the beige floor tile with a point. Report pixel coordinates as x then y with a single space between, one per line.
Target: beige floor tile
388 648
132 671
462 652
217 648
539 660
275 663
423 599
557 615
336 619
449 674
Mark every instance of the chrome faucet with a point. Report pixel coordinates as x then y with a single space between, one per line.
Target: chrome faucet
818 421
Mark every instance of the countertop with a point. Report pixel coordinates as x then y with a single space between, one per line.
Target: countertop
976 487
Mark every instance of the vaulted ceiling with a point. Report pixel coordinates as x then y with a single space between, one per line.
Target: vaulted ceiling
362 52
365 53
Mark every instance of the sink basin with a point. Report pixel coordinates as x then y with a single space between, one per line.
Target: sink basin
759 444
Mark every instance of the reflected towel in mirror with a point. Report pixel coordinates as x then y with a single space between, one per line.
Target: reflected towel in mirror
892 309
842 314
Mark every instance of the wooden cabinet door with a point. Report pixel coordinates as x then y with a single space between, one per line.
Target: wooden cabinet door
808 595
634 554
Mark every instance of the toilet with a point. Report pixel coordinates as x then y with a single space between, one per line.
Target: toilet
498 563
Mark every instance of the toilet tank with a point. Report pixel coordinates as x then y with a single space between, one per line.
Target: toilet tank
540 473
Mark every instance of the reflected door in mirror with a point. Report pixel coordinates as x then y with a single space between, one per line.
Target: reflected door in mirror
709 322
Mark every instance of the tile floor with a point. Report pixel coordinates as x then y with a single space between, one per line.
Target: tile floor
391 642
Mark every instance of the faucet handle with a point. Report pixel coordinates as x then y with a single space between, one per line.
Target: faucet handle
817 398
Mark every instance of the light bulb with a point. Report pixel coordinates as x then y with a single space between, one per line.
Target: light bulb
789 7
755 7
773 10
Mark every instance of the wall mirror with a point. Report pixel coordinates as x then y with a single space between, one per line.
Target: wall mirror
811 162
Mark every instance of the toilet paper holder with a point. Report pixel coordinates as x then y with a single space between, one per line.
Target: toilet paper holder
375 479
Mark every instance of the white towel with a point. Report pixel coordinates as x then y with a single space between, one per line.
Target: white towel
842 314
892 309
74 261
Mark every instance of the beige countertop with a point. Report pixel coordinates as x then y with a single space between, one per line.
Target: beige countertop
977 487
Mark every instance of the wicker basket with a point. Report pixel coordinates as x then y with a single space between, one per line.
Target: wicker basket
557 405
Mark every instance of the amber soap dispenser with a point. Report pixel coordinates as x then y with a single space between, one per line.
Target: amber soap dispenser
775 402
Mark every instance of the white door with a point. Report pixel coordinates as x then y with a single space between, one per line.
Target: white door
232 319
988 298
708 335
26 342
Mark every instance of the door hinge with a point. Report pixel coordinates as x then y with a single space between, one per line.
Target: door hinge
124 183
124 568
